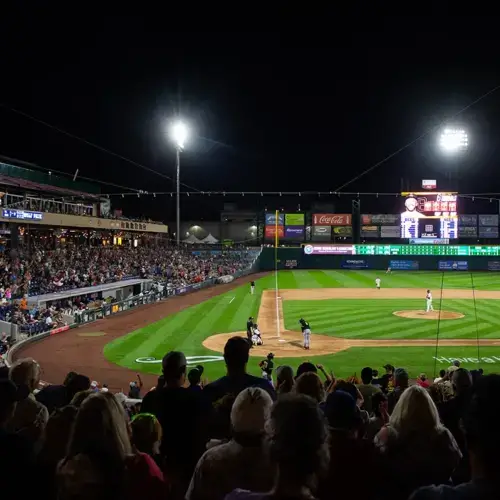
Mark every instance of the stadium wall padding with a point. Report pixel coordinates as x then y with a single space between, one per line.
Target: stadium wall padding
294 258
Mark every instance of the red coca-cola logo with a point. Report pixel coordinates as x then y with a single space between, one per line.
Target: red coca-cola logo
332 219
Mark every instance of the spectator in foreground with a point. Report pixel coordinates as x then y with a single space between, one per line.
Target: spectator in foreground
236 355
347 446
401 381
243 462
310 384
147 435
367 389
298 443
416 449
30 416
100 462
284 379
180 413
16 455
194 378
53 447
483 441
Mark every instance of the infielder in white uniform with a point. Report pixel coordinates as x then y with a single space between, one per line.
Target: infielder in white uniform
377 283
256 336
428 301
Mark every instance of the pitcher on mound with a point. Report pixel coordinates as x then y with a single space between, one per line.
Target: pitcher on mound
428 301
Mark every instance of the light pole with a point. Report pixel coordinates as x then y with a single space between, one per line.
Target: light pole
454 142
178 133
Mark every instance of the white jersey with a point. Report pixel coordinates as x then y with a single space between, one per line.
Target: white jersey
377 282
429 296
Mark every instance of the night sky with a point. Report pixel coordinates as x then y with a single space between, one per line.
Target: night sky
286 111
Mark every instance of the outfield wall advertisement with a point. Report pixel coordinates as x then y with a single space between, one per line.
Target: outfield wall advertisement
332 219
354 264
404 265
453 265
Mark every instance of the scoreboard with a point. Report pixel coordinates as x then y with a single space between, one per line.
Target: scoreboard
429 215
432 250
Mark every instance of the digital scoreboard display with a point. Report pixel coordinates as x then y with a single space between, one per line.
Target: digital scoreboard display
429 215
406 250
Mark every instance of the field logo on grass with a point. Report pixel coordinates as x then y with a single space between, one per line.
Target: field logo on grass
191 360
449 361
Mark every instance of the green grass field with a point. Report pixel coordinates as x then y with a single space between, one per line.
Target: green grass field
368 319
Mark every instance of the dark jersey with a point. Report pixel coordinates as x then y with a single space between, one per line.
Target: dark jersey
252 283
249 325
305 326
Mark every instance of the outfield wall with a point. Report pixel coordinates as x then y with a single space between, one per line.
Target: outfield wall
295 258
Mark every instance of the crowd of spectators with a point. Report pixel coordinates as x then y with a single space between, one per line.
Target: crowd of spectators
300 435
68 268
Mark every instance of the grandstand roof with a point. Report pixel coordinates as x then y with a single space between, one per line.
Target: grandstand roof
27 178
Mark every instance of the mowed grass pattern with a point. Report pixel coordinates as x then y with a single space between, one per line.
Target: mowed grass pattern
373 319
228 312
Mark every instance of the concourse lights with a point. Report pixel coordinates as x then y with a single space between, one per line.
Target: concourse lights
453 140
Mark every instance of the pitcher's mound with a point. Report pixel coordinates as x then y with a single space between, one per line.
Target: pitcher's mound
428 315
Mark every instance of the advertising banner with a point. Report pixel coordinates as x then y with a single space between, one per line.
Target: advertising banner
294 219
270 232
332 219
467 220
321 233
404 265
271 219
390 232
494 265
296 232
380 219
342 230
488 232
488 220
453 265
354 264
467 231
369 231
328 249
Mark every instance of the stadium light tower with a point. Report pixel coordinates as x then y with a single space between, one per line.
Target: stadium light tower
179 134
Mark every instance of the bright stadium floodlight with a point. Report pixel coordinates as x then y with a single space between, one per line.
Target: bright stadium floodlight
178 133
453 141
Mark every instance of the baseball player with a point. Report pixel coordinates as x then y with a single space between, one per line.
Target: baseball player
377 283
428 301
250 326
252 287
256 337
388 271
306 332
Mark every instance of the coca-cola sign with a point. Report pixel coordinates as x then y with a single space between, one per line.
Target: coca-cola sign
332 219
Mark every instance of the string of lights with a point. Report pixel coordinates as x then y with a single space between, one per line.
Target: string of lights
356 194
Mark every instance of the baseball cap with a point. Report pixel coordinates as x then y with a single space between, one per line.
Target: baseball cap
250 411
341 410
11 393
173 361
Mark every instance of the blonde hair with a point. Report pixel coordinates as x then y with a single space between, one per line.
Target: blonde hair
415 411
25 372
100 430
